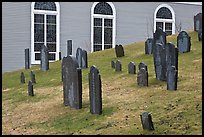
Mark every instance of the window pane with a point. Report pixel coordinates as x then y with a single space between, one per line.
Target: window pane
164 13
51 56
45 6
37 46
51 19
97 47
103 8
37 56
108 22
51 47
97 22
108 46
159 24
97 35
107 35
51 33
39 33
38 18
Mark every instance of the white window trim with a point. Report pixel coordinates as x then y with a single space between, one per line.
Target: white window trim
165 20
57 13
103 16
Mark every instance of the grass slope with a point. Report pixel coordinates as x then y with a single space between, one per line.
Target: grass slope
173 112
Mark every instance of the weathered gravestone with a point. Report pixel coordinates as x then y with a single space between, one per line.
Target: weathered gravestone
149 45
198 22
131 68
95 91
200 35
22 78
118 66
69 47
27 59
84 60
146 120
142 77
183 42
32 77
119 51
159 37
142 65
171 56
112 64
44 58
30 88
172 76
72 83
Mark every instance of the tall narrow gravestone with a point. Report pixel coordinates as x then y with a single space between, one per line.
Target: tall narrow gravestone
30 88
112 64
84 60
32 76
27 59
131 68
22 78
69 47
118 66
198 22
172 76
44 58
142 77
95 91
183 42
119 51
72 83
149 45
146 120
171 56
60 55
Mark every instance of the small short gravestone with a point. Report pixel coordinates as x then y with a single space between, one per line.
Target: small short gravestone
146 120
119 51
131 68
112 64
149 45
32 76
95 91
30 88
118 66
198 22
142 65
22 78
172 76
183 42
142 77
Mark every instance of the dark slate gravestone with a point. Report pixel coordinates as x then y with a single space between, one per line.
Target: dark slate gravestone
60 55
95 91
131 68
146 120
119 51
159 37
149 45
32 77
142 65
44 58
198 22
112 64
171 56
118 66
69 47
183 42
172 76
72 83
142 77
79 56
200 35
30 88
84 63
159 56
22 78
27 59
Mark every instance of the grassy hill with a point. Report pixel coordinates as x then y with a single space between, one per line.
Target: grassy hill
173 112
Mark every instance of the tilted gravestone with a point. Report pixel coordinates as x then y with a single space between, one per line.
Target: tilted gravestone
198 22
142 77
32 77
119 50
159 37
84 60
183 42
172 76
118 66
30 88
72 83
200 35
95 91
112 64
69 47
131 68
27 59
44 58
142 65
22 78
79 56
146 120
149 45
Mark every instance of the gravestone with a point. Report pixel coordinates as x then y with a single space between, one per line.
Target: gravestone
112 64
72 82
142 77
30 88
84 63
95 91
131 68
200 35
172 76
118 66
171 56
22 78
142 65
149 45
44 58
198 22
159 37
183 42
119 51
146 120
60 55
69 47
32 77
79 56
27 59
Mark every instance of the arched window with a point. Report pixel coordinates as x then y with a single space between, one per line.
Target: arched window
44 30
103 26
164 17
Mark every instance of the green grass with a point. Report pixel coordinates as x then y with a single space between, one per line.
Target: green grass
173 112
